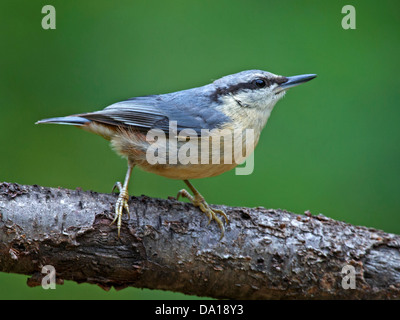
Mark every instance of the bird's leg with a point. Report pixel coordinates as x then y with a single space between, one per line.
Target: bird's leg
122 202
198 201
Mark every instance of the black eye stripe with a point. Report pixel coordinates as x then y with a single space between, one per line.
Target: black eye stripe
232 89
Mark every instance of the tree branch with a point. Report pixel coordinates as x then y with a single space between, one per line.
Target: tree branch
166 244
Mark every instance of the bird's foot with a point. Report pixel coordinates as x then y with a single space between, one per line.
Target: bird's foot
121 204
198 201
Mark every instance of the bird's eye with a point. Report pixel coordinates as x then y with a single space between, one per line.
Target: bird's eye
260 83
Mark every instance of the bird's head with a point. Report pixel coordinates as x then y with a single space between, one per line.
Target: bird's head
248 97
256 88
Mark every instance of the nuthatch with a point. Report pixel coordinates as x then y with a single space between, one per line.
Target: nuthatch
234 103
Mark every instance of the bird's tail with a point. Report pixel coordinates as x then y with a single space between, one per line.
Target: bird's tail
70 120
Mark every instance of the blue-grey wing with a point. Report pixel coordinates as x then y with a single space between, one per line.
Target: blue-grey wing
140 112
190 109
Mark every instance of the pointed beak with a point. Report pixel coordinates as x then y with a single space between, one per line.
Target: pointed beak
294 81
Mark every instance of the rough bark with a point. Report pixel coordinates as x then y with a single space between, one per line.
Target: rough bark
167 244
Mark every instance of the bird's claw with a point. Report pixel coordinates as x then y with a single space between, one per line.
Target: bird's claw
198 201
121 204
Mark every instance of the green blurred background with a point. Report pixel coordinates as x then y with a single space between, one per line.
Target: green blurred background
331 146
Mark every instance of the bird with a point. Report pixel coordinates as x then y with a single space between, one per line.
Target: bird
228 106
